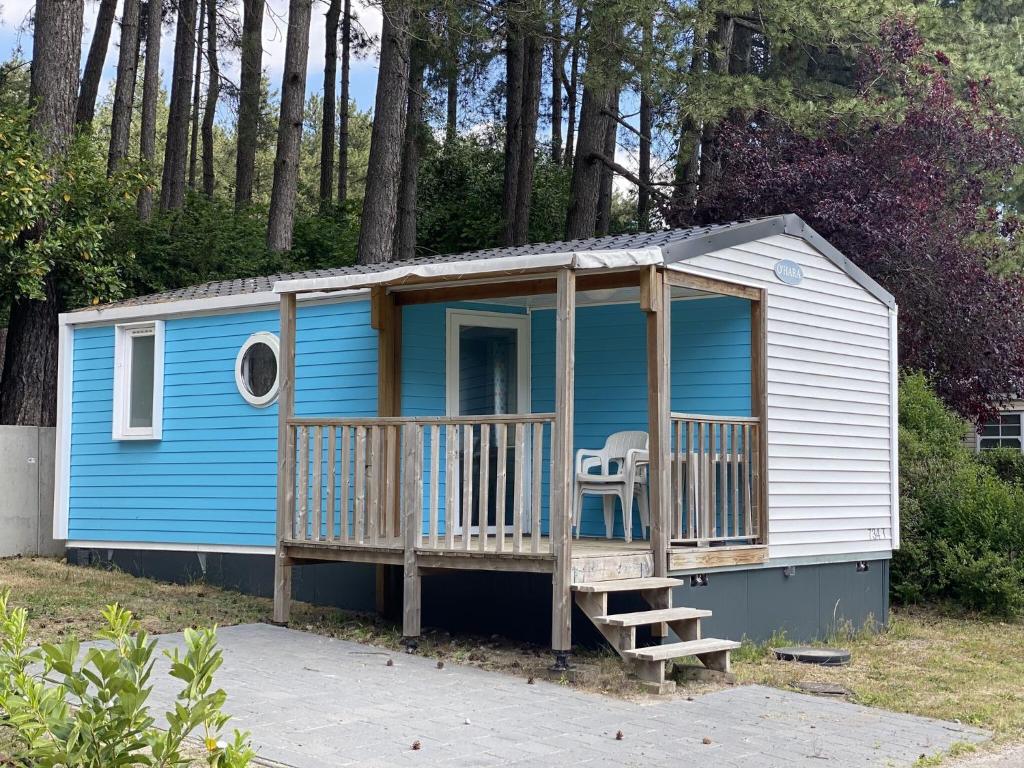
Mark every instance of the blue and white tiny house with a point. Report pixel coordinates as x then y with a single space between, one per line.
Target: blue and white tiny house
425 416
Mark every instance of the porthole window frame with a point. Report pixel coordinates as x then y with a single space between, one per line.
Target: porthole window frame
271 340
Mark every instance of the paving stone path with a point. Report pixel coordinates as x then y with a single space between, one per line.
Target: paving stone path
314 702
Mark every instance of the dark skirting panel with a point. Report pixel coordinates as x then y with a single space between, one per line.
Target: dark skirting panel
807 602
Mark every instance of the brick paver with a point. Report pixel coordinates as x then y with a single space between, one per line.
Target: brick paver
315 702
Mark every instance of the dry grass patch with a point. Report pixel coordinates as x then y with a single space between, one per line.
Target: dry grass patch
926 662
64 599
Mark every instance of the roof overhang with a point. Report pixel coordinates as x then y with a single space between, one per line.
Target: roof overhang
505 266
758 229
525 264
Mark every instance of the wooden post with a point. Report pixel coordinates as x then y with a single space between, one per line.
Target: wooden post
759 408
386 319
412 509
561 475
285 459
656 300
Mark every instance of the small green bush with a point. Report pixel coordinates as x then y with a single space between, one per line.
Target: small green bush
72 710
962 525
1007 463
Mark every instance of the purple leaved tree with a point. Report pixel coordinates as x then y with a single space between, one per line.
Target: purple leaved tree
910 198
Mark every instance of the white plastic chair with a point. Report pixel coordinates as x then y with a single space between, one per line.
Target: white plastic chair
621 470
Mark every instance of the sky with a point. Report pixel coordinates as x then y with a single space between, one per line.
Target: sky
15 34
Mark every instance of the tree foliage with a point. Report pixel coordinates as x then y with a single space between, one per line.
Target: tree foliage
962 525
79 205
909 192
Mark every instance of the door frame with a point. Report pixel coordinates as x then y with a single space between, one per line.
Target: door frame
455 319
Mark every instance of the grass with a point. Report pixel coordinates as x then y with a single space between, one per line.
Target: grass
927 662
63 599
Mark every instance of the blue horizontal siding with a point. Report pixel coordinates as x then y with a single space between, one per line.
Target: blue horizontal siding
710 350
212 478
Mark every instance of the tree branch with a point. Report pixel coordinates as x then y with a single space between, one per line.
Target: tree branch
629 176
615 116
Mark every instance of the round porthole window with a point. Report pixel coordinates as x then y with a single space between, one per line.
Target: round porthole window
256 369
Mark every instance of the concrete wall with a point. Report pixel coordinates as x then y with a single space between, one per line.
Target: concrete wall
26 491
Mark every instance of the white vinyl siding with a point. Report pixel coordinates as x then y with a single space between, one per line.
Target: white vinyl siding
830 436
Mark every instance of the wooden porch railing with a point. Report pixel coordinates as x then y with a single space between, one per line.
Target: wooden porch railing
470 483
716 489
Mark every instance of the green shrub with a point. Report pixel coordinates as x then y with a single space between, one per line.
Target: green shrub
89 710
962 525
1007 463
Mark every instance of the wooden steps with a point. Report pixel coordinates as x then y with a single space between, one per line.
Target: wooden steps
677 650
627 585
653 616
620 629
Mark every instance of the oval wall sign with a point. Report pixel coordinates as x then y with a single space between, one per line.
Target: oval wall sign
789 272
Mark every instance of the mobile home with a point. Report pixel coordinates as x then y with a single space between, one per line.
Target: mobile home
702 418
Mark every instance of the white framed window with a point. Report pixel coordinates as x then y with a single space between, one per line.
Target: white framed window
256 369
1002 432
138 381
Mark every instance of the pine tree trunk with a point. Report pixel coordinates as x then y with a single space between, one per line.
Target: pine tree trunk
212 94
514 83
150 94
604 199
172 188
346 62
93 72
573 89
596 138
533 61
405 227
718 62
380 204
451 76
643 195
249 99
193 156
451 123
523 63
557 63
28 390
330 114
585 188
289 131
687 169
124 87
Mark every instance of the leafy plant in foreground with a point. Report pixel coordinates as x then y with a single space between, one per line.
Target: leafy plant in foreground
90 710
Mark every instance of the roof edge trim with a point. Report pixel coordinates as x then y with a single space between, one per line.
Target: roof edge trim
210 305
507 265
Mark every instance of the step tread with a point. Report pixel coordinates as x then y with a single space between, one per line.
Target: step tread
628 585
653 616
688 648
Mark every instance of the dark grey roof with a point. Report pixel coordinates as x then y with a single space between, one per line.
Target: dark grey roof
675 244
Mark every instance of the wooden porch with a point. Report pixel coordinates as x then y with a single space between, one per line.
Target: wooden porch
415 492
